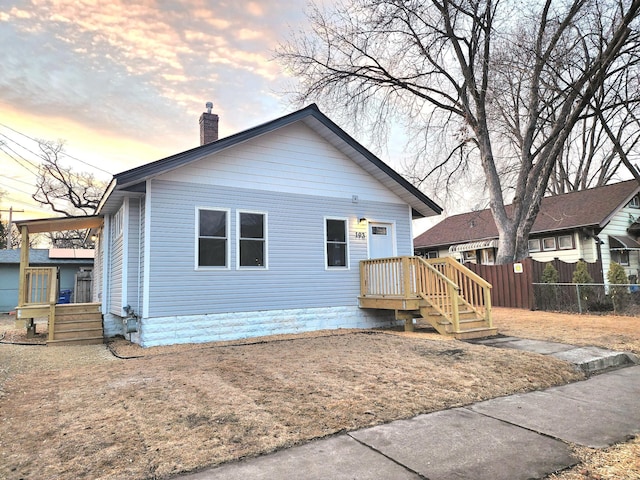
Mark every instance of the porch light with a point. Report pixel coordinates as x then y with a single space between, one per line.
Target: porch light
362 220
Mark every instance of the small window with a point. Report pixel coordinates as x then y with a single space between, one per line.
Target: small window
534 245
488 256
336 236
213 234
565 242
378 230
252 239
118 221
432 254
549 243
620 256
635 202
469 256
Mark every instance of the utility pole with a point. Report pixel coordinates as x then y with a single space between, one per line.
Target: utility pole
10 226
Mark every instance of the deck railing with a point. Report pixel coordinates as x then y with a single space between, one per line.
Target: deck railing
474 289
40 286
41 289
443 282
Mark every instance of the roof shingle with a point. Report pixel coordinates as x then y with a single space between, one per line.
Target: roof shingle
585 208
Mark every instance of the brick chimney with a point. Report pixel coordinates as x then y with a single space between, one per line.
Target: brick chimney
208 126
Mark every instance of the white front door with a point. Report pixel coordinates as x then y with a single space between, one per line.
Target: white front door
381 240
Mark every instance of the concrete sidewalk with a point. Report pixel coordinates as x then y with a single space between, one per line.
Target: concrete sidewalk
520 436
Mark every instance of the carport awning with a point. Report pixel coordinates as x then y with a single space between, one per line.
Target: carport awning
479 245
622 242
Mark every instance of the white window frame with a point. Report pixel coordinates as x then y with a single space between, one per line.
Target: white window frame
197 238
534 250
118 223
555 244
265 240
570 247
635 202
325 242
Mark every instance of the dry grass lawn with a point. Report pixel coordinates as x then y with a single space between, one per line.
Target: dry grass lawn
80 412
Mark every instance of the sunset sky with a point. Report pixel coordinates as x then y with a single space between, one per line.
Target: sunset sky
124 83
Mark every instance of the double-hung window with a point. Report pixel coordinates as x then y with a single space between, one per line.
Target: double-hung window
337 252
252 239
213 238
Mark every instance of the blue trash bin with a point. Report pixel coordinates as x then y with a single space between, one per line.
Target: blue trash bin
65 296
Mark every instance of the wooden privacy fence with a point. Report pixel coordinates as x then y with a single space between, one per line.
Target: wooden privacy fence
514 289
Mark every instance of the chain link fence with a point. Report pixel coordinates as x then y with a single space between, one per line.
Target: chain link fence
587 297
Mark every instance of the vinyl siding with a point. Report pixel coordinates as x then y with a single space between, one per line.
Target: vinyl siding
96 293
141 258
133 257
293 159
115 269
571 255
296 276
618 226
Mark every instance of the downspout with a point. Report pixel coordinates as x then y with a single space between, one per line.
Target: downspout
106 263
140 246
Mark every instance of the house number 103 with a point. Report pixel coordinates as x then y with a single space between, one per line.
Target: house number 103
361 235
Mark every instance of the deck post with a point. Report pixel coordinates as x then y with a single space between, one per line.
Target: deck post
455 312
53 299
406 277
24 263
487 306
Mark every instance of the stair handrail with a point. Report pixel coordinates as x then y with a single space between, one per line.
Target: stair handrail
438 290
470 283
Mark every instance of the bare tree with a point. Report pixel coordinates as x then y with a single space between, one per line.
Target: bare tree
62 189
601 145
65 191
504 81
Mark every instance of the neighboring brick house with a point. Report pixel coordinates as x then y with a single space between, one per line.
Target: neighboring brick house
601 222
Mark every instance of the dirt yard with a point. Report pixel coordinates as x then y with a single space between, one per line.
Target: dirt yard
81 412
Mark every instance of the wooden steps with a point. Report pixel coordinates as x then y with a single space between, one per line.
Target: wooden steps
77 324
439 292
471 325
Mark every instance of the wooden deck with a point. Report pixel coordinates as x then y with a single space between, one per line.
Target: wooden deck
439 292
68 323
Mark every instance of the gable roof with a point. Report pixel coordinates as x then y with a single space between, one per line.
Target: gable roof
133 180
586 208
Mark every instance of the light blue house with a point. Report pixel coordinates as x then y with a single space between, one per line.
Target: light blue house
69 263
258 233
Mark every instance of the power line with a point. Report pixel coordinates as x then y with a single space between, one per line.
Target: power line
15 159
13 179
19 145
32 206
16 189
63 153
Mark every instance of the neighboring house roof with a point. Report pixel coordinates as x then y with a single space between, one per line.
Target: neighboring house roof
133 180
45 256
586 208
